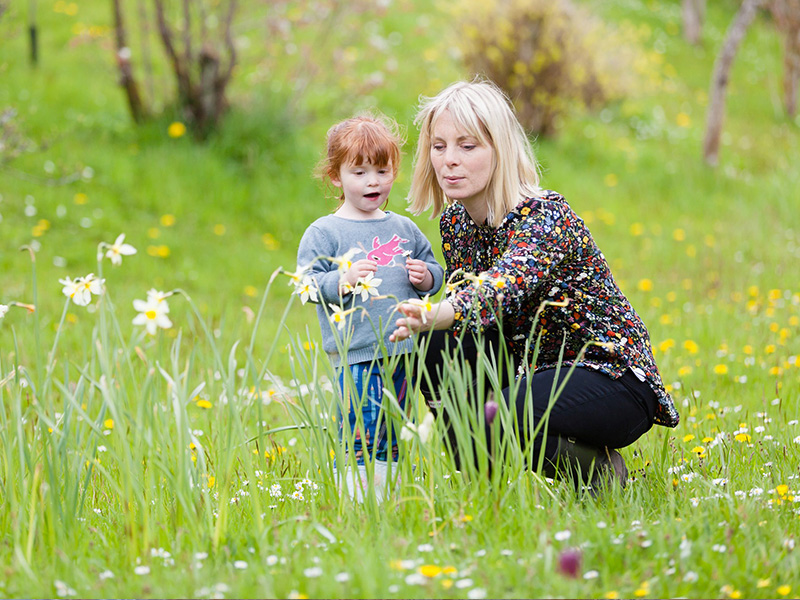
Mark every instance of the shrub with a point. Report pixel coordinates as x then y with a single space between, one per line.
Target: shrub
548 55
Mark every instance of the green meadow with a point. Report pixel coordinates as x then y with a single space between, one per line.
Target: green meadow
195 462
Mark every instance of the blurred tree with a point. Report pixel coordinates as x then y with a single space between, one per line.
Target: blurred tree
786 14
694 12
33 32
202 62
719 78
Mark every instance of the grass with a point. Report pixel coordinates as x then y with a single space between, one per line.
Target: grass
141 479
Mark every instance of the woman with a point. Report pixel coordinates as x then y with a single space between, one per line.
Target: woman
532 265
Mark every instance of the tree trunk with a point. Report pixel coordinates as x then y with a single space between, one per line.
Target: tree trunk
791 74
127 79
693 17
719 78
786 14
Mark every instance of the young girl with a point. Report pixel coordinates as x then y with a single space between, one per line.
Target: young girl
361 260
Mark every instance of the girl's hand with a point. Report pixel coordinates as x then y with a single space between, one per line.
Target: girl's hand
419 275
359 269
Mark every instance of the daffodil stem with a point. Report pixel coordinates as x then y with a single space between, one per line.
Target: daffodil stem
51 357
35 293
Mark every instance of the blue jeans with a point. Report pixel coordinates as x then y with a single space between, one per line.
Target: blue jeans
363 394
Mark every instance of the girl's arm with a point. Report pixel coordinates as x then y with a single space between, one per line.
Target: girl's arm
312 253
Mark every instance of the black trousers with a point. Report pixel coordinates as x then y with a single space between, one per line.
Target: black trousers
593 408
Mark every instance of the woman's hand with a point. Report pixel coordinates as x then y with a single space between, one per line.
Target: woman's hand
419 315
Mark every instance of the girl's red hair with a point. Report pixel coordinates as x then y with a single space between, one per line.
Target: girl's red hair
364 139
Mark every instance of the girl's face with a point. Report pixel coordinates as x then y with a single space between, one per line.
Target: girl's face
366 188
463 165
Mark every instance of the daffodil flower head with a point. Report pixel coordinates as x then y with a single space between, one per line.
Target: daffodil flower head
423 431
154 295
71 288
119 249
93 284
367 286
152 314
307 290
425 304
338 315
344 261
297 277
80 290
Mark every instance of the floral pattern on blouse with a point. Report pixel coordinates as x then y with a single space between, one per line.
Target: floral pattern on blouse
543 251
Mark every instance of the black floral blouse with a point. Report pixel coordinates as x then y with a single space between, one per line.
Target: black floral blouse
541 272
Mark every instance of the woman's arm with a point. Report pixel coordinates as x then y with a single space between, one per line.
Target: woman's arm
420 317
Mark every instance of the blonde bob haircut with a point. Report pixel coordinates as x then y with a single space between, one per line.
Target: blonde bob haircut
482 110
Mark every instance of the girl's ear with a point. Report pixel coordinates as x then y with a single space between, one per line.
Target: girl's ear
336 181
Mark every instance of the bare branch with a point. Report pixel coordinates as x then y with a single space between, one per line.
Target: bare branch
167 36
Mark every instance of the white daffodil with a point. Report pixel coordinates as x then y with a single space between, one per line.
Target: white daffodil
501 282
425 304
424 430
81 289
71 289
344 261
297 277
338 316
91 285
153 295
3 310
307 290
478 279
119 249
152 314
408 432
367 286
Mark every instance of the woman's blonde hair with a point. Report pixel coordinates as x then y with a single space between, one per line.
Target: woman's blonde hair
482 110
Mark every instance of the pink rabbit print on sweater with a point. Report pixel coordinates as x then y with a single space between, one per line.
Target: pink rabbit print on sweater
384 253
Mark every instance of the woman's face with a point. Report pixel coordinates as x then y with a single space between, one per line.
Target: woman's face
462 164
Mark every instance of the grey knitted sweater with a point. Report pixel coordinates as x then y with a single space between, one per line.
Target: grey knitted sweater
387 240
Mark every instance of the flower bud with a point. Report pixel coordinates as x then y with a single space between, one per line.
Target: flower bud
569 562
490 411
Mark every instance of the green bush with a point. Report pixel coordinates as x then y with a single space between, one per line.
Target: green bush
548 55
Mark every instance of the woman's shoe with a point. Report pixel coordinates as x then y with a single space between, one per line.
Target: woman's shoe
599 468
